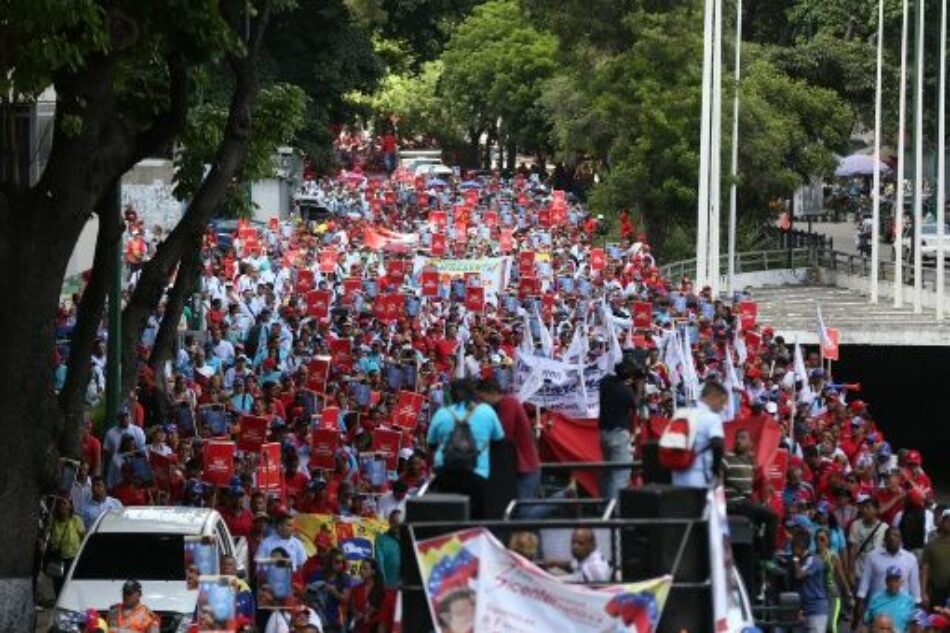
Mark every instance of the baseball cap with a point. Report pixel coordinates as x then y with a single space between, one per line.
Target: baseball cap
131 586
914 458
893 572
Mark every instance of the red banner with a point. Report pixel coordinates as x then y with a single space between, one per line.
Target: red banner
323 446
438 244
642 314
387 443
218 461
830 352
253 432
318 304
408 408
748 313
429 279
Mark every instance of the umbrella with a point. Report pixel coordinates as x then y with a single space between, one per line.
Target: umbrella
858 165
437 182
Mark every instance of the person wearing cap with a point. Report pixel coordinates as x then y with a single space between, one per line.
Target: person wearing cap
880 563
123 427
865 535
238 518
131 614
935 564
893 601
807 577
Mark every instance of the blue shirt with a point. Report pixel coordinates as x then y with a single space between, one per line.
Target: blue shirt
899 607
811 587
485 427
708 427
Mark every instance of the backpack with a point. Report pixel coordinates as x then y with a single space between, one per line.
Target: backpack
460 453
677 445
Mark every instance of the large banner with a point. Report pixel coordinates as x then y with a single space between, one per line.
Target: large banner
493 271
560 386
355 537
473 583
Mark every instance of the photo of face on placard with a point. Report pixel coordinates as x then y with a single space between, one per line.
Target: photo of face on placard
275 583
216 610
201 559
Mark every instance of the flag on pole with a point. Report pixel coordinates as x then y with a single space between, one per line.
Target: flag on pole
527 342
738 340
547 343
731 383
823 338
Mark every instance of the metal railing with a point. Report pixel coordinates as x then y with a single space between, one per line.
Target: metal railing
748 262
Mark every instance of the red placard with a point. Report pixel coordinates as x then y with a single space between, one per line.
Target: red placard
438 244
253 432
328 257
304 280
437 218
777 470
408 408
597 259
430 283
471 196
273 224
475 298
544 218
748 313
390 197
507 240
547 307
218 460
526 259
330 418
461 230
642 314
422 201
396 270
753 340
351 285
323 446
341 352
528 286
318 304
319 372
491 219
269 472
830 352
387 443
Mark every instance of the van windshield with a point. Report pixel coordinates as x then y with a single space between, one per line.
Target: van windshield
143 556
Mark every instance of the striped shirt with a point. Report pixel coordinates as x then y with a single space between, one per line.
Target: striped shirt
739 474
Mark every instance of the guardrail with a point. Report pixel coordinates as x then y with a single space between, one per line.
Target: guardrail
748 262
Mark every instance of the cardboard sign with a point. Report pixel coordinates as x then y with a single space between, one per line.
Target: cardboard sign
437 219
408 408
341 353
270 474
528 286
642 314
351 285
506 239
318 304
429 280
491 219
597 259
328 258
330 418
387 442
748 313
253 432
475 298
304 280
323 447
544 218
830 352
218 460
438 244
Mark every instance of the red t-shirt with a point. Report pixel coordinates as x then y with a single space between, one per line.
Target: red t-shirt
885 496
520 432
92 453
296 483
240 522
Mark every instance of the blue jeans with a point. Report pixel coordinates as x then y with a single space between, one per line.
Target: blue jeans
615 445
528 485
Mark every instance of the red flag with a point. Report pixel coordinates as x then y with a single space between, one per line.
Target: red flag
438 244
218 459
748 313
642 314
830 352
408 409
330 418
597 259
318 304
253 432
430 283
323 446
475 298
269 473
387 443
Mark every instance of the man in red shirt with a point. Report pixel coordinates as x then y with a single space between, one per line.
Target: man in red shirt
240 520
91 448
519 431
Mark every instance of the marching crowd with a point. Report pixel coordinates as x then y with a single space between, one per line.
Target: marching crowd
356 326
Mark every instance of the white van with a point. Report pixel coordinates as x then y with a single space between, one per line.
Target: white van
146 544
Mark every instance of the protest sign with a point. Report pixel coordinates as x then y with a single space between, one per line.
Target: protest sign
642 314
217 604
492 270
354 536
253 432
323 446
269 472
218 462
387 442
408 408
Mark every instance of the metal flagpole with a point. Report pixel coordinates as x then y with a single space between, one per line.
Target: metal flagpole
876 194
901 151
702 211
715 150
941 158
734 171
919 158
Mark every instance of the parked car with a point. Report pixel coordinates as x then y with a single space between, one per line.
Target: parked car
928 242
145 544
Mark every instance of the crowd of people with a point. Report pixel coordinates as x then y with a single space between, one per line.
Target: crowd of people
296 319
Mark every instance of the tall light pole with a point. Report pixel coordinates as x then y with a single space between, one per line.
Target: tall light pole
919 159
715 171
734 171
901 150
876 194
702 211
941 159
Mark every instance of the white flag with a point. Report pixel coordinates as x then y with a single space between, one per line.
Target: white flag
823 339
527 341
741 352
547 343
731 383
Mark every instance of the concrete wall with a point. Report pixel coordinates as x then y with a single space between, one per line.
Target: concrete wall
861 284
788 277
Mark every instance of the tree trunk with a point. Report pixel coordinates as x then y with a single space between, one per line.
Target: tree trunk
184 285
512 155
88 318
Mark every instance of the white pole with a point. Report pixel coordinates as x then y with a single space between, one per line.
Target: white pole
702 211
734 171
941 159
919 163
715 171
901 150
876 194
